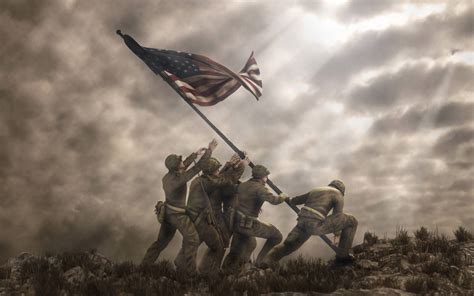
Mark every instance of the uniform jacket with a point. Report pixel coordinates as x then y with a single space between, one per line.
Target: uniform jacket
252 194
174 183
321 199
204 186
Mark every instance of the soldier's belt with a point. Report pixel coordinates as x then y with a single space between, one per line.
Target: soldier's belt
176 209
246 221
316 212
195 216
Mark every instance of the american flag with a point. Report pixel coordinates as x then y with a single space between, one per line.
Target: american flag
203 81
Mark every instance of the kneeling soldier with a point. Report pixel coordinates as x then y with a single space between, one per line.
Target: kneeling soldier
200 210
313 220
250 197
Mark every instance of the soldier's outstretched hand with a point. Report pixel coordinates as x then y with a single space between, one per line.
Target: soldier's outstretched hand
201 151
213 144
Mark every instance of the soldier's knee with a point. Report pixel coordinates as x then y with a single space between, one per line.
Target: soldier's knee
192 239
252 244
352 220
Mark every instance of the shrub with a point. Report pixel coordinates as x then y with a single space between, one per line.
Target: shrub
432 284
123 269
462 234
401 237
370 238
415 285
422 234
432 266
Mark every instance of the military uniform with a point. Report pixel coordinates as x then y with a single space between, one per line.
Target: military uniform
250 197
313 219
201 213
222 202
175 216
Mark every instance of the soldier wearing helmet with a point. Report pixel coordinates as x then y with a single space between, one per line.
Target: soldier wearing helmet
313 219
250 197
175 216
201 212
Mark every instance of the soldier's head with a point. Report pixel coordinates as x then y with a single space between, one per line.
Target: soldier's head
174 163
211 167
260 172
339 185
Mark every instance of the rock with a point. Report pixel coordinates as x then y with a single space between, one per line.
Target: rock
75 275
367 264
16 264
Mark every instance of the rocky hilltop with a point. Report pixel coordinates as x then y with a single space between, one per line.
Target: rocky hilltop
422 263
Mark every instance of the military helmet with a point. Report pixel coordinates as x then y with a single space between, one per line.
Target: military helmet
172 162
339 185
211 166
259 171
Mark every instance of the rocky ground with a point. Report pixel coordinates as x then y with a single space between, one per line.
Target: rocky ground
424 264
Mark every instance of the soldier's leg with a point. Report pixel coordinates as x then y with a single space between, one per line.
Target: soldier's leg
215 249
335 223
186 259
295 239
264 230
165 235
241 248
248 246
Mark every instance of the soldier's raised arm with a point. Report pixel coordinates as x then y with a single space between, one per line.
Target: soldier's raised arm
189 174
300 199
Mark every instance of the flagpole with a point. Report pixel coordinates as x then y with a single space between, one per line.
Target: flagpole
237 150
138 50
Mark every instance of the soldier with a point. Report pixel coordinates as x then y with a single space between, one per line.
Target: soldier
223 199
250 197
174 215
201 213
313 220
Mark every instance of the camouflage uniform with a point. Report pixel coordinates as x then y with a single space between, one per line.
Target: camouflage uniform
201 213
313 220
250 196
175 188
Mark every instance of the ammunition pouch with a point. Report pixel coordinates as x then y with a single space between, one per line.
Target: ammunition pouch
245 221
160 211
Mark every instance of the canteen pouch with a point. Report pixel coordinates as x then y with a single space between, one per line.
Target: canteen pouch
160 211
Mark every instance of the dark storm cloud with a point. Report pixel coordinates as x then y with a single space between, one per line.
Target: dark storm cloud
421 117
431 37
418 81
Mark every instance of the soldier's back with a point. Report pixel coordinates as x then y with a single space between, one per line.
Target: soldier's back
175 190
247 197
323 199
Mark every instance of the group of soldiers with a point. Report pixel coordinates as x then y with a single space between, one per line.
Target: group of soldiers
221 211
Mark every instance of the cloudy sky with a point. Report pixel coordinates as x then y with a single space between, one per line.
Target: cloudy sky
376 93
